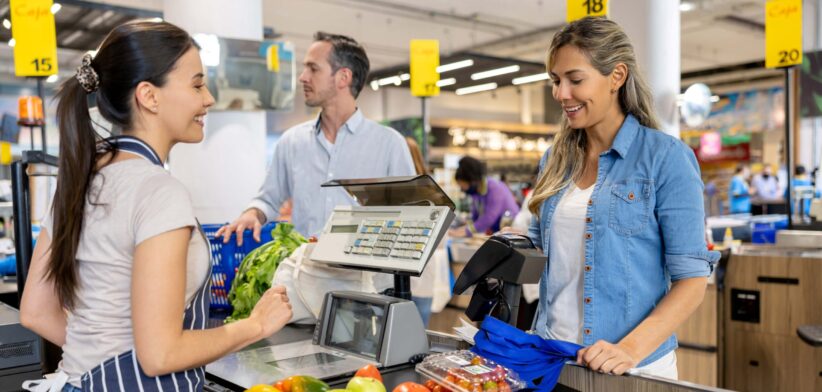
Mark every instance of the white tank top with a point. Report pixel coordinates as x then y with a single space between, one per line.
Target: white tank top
565 263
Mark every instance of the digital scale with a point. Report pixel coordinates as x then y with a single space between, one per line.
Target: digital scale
395 228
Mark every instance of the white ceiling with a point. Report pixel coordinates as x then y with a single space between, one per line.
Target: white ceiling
717 33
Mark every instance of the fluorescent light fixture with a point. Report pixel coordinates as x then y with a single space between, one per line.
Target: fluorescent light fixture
476 89
456 65
714 98
52 78
531 78
7 23
93 53
101 19
686 6
446 82
405 77
375 85
495 72
395 80
72 37
55 8
156 20
12 42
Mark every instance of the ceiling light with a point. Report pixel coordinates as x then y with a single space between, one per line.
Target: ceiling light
72 37
7 23
495 72
156 20
686 6
446 82
395 80
714 98
100 19
52 78
476 89
375 85
12 42
405 77
531 78
92 53
55 8
453 66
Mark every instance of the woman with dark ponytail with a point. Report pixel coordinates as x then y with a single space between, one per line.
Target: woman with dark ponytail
120 274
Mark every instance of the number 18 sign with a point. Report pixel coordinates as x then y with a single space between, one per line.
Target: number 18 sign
578 9
783 33
35 41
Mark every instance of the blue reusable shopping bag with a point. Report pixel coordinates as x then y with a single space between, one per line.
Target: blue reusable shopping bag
536 360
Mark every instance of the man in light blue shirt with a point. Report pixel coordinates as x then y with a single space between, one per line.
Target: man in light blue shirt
341 143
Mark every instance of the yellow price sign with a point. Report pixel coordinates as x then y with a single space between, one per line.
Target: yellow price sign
273 58
425 58
35 41
578 9
783 33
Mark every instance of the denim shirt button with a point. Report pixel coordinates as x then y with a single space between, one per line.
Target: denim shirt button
588 236
590 202
589 219
588 300
587 331
587 268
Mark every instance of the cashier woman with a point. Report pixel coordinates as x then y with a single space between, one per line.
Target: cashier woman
618 209
119 276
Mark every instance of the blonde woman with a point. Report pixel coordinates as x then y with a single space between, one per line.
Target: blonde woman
618 210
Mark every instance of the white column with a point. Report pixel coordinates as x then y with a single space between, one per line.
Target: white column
653 27
226 170
525 114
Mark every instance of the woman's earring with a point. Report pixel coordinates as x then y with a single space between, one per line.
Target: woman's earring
613 90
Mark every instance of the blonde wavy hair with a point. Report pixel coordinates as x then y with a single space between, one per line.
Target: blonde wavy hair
605 45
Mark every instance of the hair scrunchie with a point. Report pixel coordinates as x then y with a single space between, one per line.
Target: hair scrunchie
87 76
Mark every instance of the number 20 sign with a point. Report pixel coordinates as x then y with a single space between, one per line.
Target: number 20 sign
783 33
32 27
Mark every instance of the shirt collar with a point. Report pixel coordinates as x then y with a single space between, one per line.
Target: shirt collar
626 135
352 125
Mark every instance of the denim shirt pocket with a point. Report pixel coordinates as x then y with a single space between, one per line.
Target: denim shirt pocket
631 205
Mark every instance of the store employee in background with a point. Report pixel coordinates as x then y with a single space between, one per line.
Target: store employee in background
618 209
341 143
491 199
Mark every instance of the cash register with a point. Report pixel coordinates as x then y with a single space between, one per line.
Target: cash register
394 228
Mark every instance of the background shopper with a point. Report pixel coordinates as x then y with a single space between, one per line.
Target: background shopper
491 200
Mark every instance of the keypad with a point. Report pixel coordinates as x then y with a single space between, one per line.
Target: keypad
392 238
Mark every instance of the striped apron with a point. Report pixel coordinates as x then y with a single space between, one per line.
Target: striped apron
123 372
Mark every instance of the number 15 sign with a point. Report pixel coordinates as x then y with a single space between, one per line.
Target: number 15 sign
35 48
783 33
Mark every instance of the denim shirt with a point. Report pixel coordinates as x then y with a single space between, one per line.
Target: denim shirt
644 228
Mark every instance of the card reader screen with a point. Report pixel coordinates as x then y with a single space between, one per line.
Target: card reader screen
344 229
356 327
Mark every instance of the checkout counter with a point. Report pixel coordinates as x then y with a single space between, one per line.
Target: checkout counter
395 229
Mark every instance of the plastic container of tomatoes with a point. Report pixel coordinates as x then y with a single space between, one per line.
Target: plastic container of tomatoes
464 371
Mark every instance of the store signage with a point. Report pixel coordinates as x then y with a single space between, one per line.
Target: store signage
35 41
783 33
425 58
495 140
737 153
578 9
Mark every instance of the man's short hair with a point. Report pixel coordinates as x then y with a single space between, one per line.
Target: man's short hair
347 53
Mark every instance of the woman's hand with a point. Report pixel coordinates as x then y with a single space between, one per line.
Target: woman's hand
272 312
605 357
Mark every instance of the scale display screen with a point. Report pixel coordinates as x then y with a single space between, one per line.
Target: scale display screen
356 327
344 228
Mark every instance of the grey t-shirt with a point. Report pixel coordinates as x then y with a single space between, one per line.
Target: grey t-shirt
136 200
